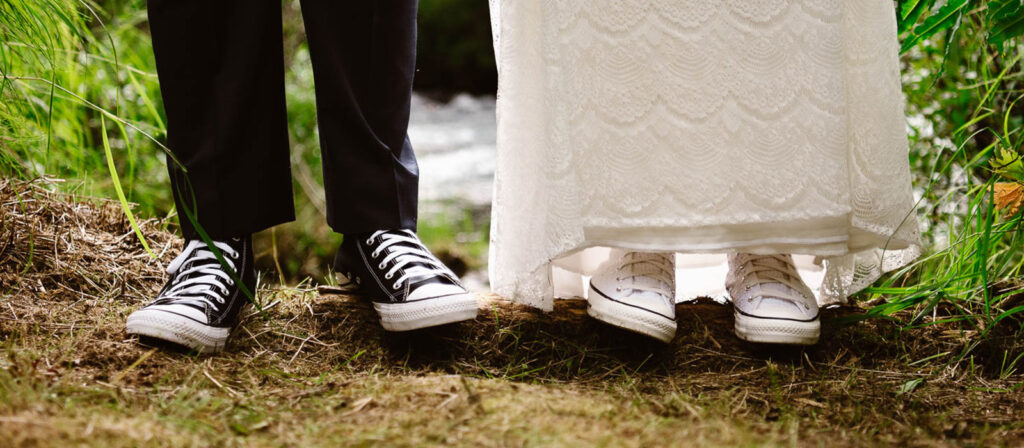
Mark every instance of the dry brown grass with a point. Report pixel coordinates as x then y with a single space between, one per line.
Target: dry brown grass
316 369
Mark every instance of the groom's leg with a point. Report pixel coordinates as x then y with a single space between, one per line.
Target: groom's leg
222 78
364 56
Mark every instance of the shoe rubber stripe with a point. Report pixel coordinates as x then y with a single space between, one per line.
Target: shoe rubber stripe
629 304
777 318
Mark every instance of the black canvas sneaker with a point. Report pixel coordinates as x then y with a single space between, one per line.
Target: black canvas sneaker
201 302
409 286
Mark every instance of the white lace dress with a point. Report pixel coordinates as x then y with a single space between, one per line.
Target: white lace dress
698 126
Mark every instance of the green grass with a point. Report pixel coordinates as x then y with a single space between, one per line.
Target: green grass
62 70
965 85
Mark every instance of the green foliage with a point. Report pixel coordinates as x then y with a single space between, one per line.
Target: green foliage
455 51
946 18
963 81
63 68
1008 164
117 186
1004 19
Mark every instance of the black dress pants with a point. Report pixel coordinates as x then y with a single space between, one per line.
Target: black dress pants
221 70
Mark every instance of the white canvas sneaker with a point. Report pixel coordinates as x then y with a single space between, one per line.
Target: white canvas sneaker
771 303
636 293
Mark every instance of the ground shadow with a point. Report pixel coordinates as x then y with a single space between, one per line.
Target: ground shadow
513 341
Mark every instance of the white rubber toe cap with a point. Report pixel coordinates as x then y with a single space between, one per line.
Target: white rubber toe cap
172 326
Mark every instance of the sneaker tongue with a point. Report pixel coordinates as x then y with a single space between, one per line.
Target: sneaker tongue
770 288
776 289
418 271
641 280
415 266
642 269
772 262
641 275
781 291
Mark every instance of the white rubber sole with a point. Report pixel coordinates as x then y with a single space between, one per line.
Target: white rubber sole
177 329
777 331
426 313
630 318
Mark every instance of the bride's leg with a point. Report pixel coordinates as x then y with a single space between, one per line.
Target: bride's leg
637 293
771 303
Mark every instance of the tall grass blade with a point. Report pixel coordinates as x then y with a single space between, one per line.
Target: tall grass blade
117 187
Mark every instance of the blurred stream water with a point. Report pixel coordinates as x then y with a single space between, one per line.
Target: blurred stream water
455 147
455 144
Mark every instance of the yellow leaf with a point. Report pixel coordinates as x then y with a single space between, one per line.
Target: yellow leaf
1009 196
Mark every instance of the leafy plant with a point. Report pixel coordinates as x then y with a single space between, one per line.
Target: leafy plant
1004 20
963 84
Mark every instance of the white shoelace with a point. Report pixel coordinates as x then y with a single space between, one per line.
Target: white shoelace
660 267
767 269
408 256
204 281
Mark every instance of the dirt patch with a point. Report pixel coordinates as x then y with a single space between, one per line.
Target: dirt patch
315 368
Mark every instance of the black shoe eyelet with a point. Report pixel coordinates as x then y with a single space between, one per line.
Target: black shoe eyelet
388 276
396 285
369 241
380 266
